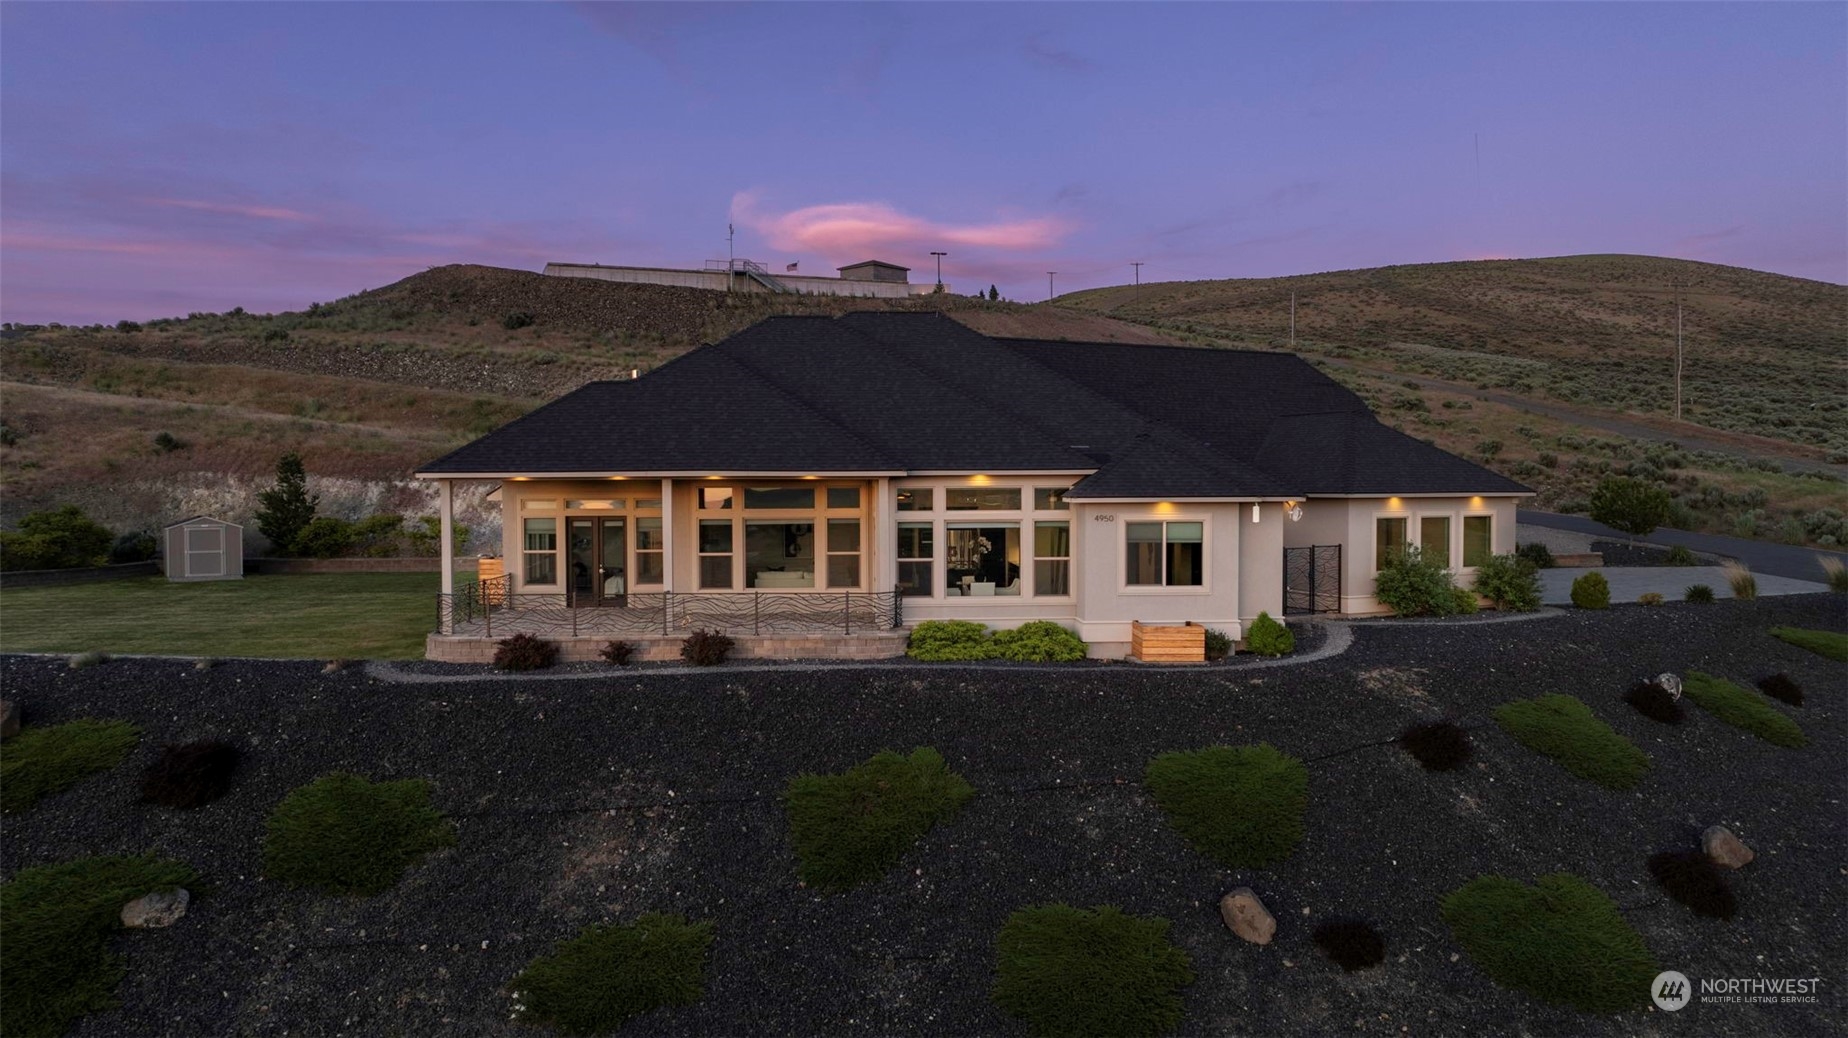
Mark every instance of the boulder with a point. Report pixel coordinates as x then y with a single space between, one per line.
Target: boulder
153 911
1246 916
9 718
1720 845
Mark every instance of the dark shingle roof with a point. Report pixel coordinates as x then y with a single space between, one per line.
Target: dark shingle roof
892 393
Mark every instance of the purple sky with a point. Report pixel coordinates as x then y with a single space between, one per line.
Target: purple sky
157 159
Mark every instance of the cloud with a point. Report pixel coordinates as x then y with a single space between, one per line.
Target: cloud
848 229
1696 241
254 212
1036 48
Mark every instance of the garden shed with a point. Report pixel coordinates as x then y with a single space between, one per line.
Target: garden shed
203 548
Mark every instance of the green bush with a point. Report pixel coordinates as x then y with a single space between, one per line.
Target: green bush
958 640
1467 602
1632 506
607 974
1218 644
55 964
1510 581
850 828
1039 641
1822 643
1565 729
1240 805
1561 940
1591 591
517 320
1650 598
378 536
345 835
325 537
1680 556
1267 637
525 652
138 546
1741 709
1539 554
61 538
1412 585
1071 972
41 761
705 648
1698 593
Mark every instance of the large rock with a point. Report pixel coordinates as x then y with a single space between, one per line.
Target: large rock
9 718
1719 844
1246 916
161 908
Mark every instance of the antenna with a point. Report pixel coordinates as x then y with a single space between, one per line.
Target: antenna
731 258
1049 292
1138 265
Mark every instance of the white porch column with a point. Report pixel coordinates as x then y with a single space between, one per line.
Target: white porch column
446 509
668 561
884 539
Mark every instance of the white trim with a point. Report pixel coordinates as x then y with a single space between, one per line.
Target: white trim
1205 587
1171 499
1384 496
1466 515
1373 556
1450 534
535 477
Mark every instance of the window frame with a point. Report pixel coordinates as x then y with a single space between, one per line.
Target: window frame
526 555
1037 558
899 559
1205 587
1402 517
1450 533
1463 526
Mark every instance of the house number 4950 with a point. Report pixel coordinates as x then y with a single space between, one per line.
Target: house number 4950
1104 517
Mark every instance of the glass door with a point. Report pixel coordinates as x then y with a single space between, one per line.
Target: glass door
613 562
581 561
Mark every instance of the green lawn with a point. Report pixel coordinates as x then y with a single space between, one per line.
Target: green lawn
310 616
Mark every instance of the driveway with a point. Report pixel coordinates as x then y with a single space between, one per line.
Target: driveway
1671 582
1763 557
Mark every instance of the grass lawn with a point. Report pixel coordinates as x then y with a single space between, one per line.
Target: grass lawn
310 616
1822 643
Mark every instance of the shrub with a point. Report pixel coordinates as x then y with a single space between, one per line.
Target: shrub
1649 598
1565 729
705 648
1680 556
41 761
1782 687
617 653
1700 594
1591 591
525 652
1654 702
1692 878
286 506
1352 944
850 828
167 443
1633 506
1267 637
1467 602
86 660
325 537
1740 579
1741 709
953 640
61 538
1040 641
191 775
1561 940
345 835
597 980
1071 972
1834 572
517 320
1822 643
55 962
1242 806
1437 745
1539 554
378 536
1218 644
1511 582
1411 585
138 546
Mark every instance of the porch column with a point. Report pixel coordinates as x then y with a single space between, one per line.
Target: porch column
668 561
884 539
446 510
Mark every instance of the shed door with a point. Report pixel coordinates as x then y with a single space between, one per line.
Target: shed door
205 551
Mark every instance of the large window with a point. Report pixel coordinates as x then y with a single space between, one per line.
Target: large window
1166 554
780 497
916 499
917 558
712 498
984 559
982 499
715 553
1434 539
649 547
1052 558
844 553
779 555
540 551
1478 541
1050 499
1388 539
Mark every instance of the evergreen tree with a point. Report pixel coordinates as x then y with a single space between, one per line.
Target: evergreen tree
287 506
994 294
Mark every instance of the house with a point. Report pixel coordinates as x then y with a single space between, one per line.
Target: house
868 279
839 478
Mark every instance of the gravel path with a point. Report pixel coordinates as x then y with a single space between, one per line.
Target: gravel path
584 801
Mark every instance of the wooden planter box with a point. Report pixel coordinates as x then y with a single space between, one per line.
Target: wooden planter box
488 569
1167 643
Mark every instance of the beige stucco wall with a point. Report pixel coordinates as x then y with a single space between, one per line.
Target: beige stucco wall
1349 522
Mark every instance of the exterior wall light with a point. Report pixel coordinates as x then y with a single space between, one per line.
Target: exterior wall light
1254 511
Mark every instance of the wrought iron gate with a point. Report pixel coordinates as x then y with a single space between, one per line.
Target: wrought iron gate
1312 579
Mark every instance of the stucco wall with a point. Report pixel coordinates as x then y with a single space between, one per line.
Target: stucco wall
715 280
1349 522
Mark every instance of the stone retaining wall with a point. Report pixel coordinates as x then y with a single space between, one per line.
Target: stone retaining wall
879 646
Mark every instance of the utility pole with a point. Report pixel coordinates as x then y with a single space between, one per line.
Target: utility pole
1049 292
1677 350
1292 320
1138 267
940 256
731 258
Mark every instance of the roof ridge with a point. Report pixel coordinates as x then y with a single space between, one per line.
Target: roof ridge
884 452
1150 346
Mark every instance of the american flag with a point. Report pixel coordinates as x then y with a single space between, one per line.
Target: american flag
791 269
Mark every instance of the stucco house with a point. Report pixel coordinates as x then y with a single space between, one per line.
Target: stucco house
835 479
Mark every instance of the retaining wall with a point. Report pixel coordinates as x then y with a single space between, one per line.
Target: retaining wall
880 646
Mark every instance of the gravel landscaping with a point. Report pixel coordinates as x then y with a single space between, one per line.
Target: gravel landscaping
601 798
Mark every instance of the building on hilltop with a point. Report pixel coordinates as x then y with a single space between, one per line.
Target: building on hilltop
868 279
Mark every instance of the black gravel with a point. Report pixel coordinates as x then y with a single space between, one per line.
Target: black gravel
583 801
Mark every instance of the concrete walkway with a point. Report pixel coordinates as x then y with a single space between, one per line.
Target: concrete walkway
1671 582
1783 560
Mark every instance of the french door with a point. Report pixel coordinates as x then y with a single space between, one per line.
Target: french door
599 561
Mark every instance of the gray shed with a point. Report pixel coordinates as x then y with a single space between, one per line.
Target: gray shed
204 548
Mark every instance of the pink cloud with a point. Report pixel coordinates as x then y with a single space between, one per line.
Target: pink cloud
255 212
848 229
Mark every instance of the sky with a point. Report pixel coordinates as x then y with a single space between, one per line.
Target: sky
158 159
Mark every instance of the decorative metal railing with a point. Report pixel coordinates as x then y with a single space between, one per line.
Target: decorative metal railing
491 608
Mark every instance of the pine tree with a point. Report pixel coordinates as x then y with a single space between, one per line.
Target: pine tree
287 506
994 294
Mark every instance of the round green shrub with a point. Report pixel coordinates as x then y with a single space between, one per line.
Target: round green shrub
1412 585
1511 581
1561 940
1267 637
1539 554
1040 641
1218 644
1466 602
1071 972
1240 805
607 974
1699 593
1591 591
950 640
325 537
346 835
